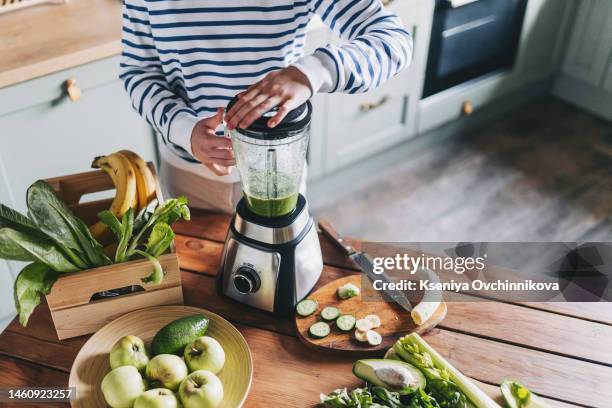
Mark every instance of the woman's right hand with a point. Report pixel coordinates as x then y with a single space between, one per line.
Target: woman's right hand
215 152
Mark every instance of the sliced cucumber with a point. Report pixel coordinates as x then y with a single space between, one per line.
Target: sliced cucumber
319 330
306 307
374 319
330 313
363 325
373 337
346 323
348 291
361 336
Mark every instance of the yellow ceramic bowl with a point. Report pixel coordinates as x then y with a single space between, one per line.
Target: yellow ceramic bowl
92 362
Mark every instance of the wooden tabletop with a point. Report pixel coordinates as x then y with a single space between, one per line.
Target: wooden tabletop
559 350
49 38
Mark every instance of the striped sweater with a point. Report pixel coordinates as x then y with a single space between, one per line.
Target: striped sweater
182 59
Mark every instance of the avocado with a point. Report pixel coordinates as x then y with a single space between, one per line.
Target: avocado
172 338
391 374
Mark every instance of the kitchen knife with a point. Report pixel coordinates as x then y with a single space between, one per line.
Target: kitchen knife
363 261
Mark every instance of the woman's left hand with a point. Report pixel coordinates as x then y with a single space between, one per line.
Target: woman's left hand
286 89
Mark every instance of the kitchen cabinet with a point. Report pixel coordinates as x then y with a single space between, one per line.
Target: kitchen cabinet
586 74
43 133
360 125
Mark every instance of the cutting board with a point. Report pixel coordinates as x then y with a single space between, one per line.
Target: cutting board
396 322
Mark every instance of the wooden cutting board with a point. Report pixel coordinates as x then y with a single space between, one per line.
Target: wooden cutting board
396 322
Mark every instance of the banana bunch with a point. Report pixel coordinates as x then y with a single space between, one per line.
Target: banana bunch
133 180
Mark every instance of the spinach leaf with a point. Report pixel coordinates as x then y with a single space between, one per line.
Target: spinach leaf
34 280
158 272
172 210
20 246
127 226
144 215
55 219
111 221
447 394
389 398
422 400
358 398
19 222
160 239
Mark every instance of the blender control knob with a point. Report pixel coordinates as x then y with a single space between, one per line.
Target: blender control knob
246 280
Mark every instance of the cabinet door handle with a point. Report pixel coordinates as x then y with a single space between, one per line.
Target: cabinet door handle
369 106
73 90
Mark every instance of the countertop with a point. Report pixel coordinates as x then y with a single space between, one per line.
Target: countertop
559 350
39 40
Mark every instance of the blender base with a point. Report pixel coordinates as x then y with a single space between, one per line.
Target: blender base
270 263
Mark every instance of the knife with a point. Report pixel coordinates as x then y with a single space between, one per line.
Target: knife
363 261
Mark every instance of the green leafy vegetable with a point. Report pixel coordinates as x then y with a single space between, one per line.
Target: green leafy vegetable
20 246
414 350
34 280
127 227
111 221
423 400
158 272
19 222
160 239
54 218
447 394
340 398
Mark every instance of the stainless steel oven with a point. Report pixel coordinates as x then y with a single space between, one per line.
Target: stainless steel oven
471 38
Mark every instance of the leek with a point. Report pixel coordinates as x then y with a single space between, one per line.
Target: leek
414 350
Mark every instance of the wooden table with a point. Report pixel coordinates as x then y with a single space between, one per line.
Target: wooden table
561 351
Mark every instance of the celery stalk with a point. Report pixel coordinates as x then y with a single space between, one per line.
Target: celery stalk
414 350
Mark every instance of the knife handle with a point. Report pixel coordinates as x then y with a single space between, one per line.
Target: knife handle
340 242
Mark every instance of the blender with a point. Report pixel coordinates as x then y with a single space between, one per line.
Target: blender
271 258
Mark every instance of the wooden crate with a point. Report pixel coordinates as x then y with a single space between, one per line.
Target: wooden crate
73 312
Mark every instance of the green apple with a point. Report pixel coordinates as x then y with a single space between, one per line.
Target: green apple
205 353
122 386
129 350
201 389
168 370
157 398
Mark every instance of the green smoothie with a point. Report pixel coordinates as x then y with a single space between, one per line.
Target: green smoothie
271 194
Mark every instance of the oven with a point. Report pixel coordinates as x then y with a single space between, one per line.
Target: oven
472 38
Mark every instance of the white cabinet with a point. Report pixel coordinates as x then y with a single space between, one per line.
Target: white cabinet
586 76
360 125
590 43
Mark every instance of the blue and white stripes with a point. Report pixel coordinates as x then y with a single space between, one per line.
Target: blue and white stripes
182 59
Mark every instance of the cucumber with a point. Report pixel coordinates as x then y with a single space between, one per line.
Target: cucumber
330 313
319 330
373 337
361 336
306 307
374 319
348 291
363 325
346 323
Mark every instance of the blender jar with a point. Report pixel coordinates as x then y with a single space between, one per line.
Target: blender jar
271 160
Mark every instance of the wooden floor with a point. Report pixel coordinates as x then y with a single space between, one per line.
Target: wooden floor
542 173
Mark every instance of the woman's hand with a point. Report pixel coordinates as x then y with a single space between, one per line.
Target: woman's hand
215 152
287 89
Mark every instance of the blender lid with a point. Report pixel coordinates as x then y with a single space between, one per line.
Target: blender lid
296 120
